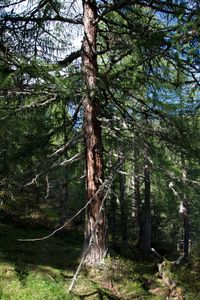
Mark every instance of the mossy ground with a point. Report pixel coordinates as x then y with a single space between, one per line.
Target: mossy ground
43 270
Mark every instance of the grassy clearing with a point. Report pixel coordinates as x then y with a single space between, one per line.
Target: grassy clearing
39 270
43 270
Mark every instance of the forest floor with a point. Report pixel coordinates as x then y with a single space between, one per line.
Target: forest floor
43 270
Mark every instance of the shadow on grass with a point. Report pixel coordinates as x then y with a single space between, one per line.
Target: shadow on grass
101 294
61 251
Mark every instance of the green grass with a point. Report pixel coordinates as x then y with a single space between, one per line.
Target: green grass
37 270
32 285
44 270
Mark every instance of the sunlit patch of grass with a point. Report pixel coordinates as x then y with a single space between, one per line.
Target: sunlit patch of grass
35 286
120 277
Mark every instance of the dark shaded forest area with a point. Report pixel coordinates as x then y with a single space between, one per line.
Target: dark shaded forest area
100 149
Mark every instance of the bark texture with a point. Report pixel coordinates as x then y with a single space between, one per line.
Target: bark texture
95 222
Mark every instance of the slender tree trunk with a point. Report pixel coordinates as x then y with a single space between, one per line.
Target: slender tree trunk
123 206
95 228
186 226
64 198
145 215
186 234
137 198
47 187
145 212
113 211
136 189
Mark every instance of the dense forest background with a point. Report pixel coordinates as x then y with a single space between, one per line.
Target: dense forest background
100 143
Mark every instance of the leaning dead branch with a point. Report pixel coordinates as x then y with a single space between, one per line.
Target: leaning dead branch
162 258
67 222
69 161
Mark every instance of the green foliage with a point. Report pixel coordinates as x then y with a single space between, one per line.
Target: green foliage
188 277
148 70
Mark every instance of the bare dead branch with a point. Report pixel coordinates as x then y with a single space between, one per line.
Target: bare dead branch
67 222
67 162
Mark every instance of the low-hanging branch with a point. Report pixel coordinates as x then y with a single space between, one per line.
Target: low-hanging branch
67 222
30 107
172 176
44 167
162 259
106 184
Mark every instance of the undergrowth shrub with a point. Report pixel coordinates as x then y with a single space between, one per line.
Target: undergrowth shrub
117 269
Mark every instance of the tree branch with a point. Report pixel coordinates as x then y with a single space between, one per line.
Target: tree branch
15 19
70 58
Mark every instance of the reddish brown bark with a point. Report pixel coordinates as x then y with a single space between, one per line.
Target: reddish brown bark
95 223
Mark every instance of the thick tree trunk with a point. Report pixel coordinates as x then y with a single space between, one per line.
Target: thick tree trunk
95 228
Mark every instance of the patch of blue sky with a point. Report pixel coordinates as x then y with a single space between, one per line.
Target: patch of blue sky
66 37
